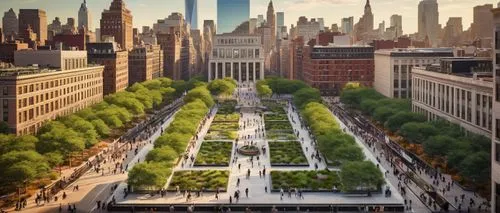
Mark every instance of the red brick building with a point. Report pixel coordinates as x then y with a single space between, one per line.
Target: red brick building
326 38
329 68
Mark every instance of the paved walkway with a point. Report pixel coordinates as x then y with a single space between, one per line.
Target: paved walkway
95 186
256 184
416 191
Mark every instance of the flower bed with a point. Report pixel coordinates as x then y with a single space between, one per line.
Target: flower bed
312 181
221 135
287 153
210 180
214 153
276 117
281 136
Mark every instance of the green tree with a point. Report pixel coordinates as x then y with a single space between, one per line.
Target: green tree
362 175
476 167
165 154
102 128
222 87
438 145
381 114
177 141
394 122
4 127
148 176
200 93
60 138
348 153
415 132
305 96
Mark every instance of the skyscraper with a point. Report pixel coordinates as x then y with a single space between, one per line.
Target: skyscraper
117 22
260 20
321 24
483 21
192 13
84 17
280 19
10 24
428 21
37 20
347 25
397 23
271 22
231 13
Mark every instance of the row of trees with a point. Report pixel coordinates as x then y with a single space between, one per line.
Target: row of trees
339 148
467 153
222 87
29 157
153 173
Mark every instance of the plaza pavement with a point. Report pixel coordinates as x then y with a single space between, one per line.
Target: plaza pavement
255 184
93 186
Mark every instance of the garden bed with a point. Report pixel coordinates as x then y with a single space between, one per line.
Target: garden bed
281 126
227 107
233 117
214 153
287 153
209 180
307 181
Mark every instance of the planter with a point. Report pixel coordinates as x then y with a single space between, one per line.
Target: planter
249 150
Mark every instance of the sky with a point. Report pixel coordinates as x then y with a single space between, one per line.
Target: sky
146 12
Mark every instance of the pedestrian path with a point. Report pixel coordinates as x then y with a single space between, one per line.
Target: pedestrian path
255 183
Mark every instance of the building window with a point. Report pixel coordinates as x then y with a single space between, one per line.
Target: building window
497 130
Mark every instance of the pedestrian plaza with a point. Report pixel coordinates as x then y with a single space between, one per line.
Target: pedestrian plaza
224 146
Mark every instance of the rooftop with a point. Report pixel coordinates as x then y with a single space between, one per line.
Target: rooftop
32 70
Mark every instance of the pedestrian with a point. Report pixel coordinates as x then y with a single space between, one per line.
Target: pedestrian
246 192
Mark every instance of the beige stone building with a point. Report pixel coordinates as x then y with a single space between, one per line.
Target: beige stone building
33 95
464 98
495 147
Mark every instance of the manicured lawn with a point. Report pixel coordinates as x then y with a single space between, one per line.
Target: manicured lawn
234 117
227 107
276 117
214 153
278 126
280 136
287 153
306 180
210 180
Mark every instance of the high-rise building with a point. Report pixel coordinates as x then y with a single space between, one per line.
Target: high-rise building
192 13
171 44
10 24
271 22
280 19
117 22
260 20
175 20
321 22
397 23
307 29
84 17
428 21
231 14
364 27
145 63
347 25
252 25
452 32
482 21
495 145
115 62
209 24
37 20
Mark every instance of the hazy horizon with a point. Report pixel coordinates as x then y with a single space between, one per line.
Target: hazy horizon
146 12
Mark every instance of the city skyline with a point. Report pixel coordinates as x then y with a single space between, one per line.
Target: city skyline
146 16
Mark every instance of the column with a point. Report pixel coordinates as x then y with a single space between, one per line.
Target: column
209 71
247 72
239 72
262 71
254 75
473 107
223 69
481 109
231 69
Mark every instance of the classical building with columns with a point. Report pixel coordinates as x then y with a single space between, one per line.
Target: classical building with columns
237 56
459 90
